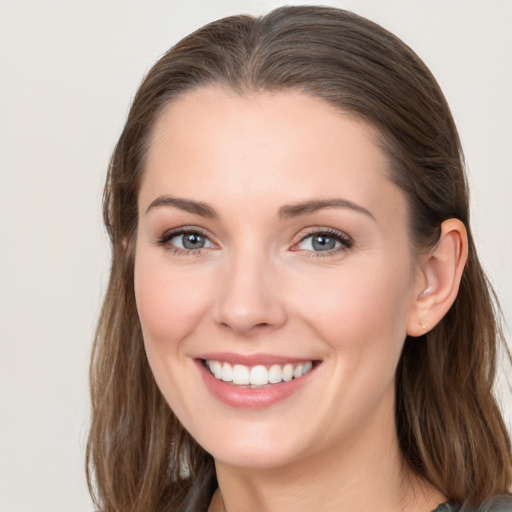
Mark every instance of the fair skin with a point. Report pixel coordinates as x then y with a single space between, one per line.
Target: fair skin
230 269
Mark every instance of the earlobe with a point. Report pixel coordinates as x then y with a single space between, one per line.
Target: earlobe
439 278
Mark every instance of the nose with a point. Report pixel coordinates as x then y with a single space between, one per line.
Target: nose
250 300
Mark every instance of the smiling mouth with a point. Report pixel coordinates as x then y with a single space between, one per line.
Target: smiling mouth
259 375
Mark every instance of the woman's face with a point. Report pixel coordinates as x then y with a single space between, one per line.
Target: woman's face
271 243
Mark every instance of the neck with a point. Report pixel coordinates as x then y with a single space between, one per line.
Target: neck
364 473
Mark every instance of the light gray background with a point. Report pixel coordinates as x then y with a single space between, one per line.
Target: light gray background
68 70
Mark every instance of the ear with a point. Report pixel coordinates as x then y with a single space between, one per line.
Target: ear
438 278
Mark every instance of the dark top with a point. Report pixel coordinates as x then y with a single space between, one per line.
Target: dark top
444 507
496 504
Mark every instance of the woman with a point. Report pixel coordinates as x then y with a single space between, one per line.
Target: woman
296 316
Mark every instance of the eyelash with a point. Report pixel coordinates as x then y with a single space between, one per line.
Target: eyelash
178 251
345 241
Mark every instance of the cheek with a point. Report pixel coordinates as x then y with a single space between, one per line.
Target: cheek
362 319
169 302
362 309
170 305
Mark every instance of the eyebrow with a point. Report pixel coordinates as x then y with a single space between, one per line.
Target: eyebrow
285 212
309 207
187 205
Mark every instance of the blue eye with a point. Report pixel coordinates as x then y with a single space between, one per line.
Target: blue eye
186 241
324 241
189 241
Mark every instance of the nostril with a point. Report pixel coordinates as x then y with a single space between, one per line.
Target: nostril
255 327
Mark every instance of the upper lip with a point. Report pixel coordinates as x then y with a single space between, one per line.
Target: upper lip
252 359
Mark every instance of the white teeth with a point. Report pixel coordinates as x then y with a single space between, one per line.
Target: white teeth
258 375
275 374
227 372
216 368
288 372
240 374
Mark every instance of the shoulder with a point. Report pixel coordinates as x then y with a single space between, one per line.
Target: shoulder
502 503
444 507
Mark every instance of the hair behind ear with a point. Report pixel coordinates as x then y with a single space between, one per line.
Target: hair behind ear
449 424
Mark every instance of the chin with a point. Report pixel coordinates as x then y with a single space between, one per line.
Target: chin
252 457
264 449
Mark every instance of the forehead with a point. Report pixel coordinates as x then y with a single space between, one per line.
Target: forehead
280 147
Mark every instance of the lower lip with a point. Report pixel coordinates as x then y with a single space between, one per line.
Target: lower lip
251 398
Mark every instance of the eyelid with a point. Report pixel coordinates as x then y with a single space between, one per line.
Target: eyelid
164 239
345 240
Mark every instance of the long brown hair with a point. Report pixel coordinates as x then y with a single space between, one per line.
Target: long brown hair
449 426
